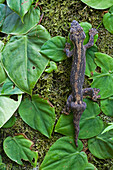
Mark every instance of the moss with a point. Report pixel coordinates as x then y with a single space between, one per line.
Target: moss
55 86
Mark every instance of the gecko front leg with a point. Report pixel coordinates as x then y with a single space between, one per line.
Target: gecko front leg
92 33
66 50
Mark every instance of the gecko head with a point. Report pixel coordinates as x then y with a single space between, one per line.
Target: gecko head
76 32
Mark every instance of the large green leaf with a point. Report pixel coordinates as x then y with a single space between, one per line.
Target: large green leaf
90 64
38 114
21 7
9 88
108 20
98 4
90 123
12 24
101 146
65 125
18 148
107 106
63 154
7 108
54 48
22 59
10 122
103 80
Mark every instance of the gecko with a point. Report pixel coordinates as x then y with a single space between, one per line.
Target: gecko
75 100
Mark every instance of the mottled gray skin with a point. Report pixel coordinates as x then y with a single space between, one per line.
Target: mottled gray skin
75 100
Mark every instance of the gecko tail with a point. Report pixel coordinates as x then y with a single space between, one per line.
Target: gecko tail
77 109
76 141
76 133
76 120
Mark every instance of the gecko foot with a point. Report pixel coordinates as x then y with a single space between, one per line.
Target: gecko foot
65 112
92 92
67 46
95 95
93 32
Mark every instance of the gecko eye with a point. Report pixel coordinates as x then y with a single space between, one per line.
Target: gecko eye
72 30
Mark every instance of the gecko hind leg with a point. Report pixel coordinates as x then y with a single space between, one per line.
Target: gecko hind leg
92 92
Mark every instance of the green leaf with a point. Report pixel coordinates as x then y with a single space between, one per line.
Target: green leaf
22 59
2 1
1 46
90 123
2 72
18 148
90 64
54 48
21 7
103 80
3 75
111 9
65 125
108 20
9 88
101 146
86 26
107 106
38 114
7 108
53 66
98 4
108 128
90 166
2 13
63 154
10 122
12 24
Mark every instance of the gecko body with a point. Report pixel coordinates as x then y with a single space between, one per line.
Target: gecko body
75 100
